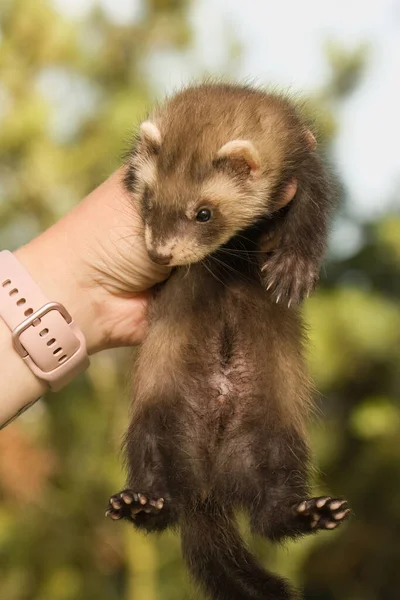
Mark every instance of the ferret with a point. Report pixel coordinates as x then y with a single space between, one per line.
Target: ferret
221 393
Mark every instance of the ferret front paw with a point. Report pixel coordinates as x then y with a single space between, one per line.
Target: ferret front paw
323 512
288 277
127 504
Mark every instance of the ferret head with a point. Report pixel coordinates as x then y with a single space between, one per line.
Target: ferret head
194 206
210 162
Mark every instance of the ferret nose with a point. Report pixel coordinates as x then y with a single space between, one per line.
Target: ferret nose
160 259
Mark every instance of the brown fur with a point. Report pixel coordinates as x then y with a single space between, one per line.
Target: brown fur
189 172
221 389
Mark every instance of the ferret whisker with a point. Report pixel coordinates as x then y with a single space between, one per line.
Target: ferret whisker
243 257
138 234
203 262
131 236
187 270
243 237
128 210
137 230
230 268
136 227
237 251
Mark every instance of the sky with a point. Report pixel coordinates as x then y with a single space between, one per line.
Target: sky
282 43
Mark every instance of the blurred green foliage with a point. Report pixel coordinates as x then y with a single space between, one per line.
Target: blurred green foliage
70 93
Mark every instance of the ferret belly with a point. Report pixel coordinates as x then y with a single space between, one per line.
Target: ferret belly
214 369
230 380
219 392
223 384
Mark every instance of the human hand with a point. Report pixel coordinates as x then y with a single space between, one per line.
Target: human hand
94 261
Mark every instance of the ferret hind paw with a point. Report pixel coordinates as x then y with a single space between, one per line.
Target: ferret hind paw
323 512
127 504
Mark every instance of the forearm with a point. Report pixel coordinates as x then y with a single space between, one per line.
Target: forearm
19 386
47 261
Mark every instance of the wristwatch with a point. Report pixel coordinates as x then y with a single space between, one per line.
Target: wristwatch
43 332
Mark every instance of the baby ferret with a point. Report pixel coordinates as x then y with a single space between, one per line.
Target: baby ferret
221 392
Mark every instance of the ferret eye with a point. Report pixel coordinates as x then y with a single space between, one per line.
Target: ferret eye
203 215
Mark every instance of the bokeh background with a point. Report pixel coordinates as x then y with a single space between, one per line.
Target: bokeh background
75 78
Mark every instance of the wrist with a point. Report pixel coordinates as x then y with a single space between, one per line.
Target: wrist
55 269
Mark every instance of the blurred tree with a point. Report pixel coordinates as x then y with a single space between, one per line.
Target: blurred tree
70 92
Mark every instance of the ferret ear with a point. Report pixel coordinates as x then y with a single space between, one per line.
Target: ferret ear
150 136
241 156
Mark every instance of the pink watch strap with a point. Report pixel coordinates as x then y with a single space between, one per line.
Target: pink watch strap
43 332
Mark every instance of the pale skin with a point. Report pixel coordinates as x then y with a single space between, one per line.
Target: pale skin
94 261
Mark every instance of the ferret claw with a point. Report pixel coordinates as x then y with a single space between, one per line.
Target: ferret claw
321 502
335 504
302 506
114 515
289 276
340 516
128 498
115 503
